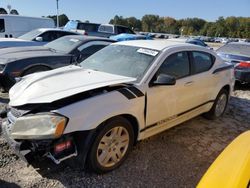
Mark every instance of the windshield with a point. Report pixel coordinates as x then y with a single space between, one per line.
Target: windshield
64 44
236 49
31 35
70 25
121 60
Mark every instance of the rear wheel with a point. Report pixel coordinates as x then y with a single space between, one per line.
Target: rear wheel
219 106
111 145
35 69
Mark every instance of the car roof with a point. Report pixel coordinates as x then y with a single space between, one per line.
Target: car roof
154 44
88 38
52 29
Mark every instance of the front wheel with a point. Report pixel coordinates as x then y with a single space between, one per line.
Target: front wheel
219 106
111 146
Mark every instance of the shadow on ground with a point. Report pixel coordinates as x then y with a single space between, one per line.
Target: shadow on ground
4 184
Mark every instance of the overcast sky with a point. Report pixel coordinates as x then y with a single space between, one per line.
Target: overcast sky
103 11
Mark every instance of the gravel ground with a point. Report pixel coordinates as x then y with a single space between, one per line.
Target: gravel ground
175 158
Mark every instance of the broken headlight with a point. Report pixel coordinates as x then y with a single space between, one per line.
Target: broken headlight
39 126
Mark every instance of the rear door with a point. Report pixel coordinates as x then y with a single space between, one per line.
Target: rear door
204 81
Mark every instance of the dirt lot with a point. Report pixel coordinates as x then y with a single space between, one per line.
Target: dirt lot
175 158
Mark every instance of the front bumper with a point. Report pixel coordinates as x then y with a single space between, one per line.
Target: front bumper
16 146
37 150
242 75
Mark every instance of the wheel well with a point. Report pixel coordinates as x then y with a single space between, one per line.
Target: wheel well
35 66
227 88
134 124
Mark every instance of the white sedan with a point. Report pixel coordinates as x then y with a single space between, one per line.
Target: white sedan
94 113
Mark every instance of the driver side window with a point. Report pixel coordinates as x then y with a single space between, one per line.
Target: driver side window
176 65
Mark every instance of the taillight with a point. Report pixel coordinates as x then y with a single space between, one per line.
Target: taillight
243 65
85 33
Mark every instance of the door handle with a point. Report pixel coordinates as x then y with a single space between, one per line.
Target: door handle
189 83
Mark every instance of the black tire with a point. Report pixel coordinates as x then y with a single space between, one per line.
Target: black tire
211 115
92 162
35 69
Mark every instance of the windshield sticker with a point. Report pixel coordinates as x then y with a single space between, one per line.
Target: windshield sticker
74 40
147 52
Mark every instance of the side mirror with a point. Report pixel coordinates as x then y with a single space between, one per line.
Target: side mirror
39 39
164 80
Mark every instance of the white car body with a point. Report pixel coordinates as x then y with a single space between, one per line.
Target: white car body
154 109
15 25
36 40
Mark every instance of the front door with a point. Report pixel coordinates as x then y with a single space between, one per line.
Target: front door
166 102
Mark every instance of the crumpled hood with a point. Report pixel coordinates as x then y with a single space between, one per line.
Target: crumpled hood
47 87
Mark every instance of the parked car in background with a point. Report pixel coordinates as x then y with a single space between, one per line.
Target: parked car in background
128 91
99 30
198 42
125 37
18 62
224 40
232 167
191 41
107 30
12 26
237 53
217 40
37 37
82 27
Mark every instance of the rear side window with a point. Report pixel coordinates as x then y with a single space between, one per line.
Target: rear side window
53 35
106 29
176 65
2 26
202 61
49 36
86 52
62 34
88 27
124 30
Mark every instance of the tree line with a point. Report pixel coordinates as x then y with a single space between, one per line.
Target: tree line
233 27
12 11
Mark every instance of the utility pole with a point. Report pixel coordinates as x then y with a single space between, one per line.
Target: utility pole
9 7
57 17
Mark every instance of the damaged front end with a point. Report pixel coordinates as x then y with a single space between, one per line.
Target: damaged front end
38 136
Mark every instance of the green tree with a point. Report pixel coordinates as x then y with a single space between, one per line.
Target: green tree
63 19
170 25
222 27
134 23
3 11
150 22
14 11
